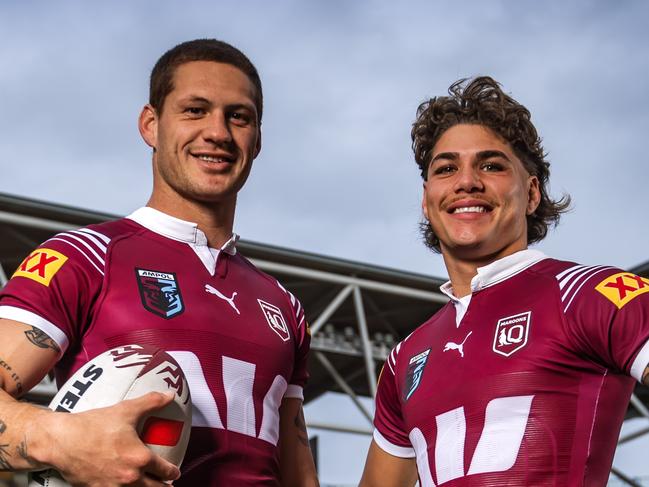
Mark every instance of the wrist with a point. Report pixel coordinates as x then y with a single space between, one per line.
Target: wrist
37 446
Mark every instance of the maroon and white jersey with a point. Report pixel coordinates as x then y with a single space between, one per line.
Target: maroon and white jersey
150 279
524 382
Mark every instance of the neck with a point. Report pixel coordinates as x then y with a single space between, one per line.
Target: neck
463 268
214 219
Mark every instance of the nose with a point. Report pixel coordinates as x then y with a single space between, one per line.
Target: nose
468 179
217 129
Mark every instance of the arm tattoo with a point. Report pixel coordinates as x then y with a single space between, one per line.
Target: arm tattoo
301 426
645 376
14 376
41 339
3 426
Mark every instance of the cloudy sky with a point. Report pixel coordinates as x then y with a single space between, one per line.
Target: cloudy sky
342 81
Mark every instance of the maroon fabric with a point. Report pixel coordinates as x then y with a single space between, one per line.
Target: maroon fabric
575 364
100 305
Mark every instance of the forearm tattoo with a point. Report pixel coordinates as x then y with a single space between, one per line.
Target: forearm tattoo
301 426
21 450
41 339
13 375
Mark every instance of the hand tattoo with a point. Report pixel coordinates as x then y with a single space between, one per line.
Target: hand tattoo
41 339
4 462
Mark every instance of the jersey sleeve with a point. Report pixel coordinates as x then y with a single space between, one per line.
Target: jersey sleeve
607 314
389 429
302 344
53 289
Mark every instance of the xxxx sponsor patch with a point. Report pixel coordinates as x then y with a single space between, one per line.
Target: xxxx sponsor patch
41 265
623 287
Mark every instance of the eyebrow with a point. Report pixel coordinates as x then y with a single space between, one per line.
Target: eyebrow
486 154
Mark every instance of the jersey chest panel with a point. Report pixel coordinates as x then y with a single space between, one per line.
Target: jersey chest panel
233 335
506 379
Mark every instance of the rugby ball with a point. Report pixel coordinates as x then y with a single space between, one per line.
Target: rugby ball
123 373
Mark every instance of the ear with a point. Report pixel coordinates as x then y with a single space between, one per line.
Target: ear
148 126
258 144
424 208
534 195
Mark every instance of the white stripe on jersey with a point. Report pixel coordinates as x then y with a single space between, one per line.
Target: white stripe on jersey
83 240
96 234
94 240
575 279
81 252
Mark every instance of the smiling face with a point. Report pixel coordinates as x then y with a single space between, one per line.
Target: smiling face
205 136
477 195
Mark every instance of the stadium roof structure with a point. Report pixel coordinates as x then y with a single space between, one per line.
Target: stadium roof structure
357 311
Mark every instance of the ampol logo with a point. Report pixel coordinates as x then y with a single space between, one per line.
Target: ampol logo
511 333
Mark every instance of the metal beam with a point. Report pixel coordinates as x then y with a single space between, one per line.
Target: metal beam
624 478
271 267
35 222
3 277
365 340
342 383
339 428
641 408
331 308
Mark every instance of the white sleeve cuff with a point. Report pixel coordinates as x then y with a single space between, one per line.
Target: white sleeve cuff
640 363
294 391
391 448
32 319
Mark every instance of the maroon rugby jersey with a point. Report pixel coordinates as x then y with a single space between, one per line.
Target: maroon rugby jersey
240 337
524 382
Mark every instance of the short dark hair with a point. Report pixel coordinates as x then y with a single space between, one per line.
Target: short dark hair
481 101
162 75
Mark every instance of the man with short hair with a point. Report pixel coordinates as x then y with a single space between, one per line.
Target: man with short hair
524 377
168 275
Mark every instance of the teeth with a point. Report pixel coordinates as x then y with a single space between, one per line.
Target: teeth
211 159
469 209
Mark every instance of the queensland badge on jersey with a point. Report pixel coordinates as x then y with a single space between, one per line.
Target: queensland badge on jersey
622 287
511 333
160 292
275 319
41 265
415 371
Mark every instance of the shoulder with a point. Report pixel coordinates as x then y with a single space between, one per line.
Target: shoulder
86 247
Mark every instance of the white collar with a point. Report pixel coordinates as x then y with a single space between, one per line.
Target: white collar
498 271
177 229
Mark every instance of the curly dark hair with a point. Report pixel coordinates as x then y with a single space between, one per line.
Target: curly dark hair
481 101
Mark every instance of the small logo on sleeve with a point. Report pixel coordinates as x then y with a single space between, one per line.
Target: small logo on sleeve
415 371
622 287
160 293
41 265
275 319
511 333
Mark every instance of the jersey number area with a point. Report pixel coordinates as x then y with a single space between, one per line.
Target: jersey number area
238 381
497 449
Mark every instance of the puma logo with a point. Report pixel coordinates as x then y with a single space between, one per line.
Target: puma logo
218 293
455 346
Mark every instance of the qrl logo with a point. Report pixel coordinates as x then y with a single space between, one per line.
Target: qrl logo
511 333
275 319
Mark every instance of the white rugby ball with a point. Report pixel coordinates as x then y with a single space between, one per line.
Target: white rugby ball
123 373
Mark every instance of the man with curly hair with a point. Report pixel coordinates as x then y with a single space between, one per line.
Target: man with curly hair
524 377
